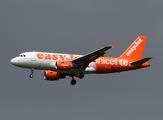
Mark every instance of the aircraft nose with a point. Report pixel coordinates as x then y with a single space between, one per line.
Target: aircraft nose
14 61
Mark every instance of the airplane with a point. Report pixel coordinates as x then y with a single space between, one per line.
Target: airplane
58 65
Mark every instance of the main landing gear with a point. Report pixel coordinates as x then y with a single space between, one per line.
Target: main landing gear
81 75
73 81
32 71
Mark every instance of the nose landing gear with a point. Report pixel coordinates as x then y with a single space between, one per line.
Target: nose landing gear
32 71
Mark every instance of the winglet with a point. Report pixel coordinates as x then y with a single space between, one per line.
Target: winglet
113 45
140 62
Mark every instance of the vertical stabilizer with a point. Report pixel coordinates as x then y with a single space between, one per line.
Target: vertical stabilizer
136 49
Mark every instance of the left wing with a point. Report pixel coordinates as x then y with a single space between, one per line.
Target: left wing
83 61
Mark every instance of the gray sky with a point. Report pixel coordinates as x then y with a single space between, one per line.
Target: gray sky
70 26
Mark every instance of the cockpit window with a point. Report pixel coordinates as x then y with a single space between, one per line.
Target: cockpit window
21 55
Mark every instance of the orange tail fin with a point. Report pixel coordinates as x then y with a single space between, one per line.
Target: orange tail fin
136 49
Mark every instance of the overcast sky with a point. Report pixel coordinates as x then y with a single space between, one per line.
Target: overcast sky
73 26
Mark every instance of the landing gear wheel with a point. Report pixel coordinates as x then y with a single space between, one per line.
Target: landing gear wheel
81 75
32 71
31 75
73 82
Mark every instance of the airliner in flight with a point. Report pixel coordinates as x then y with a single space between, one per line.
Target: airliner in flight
58 66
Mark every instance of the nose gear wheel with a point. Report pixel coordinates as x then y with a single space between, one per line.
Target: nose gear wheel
32 71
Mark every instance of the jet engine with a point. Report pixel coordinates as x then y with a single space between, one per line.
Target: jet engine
62 65
53 76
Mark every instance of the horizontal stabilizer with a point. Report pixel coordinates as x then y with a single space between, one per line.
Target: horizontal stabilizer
139 62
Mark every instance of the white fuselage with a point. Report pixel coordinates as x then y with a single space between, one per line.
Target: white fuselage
32 60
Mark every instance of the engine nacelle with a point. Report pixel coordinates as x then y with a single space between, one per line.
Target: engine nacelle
61 65
53 76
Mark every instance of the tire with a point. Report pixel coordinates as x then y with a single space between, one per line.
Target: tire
73 82
81 75
31 75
